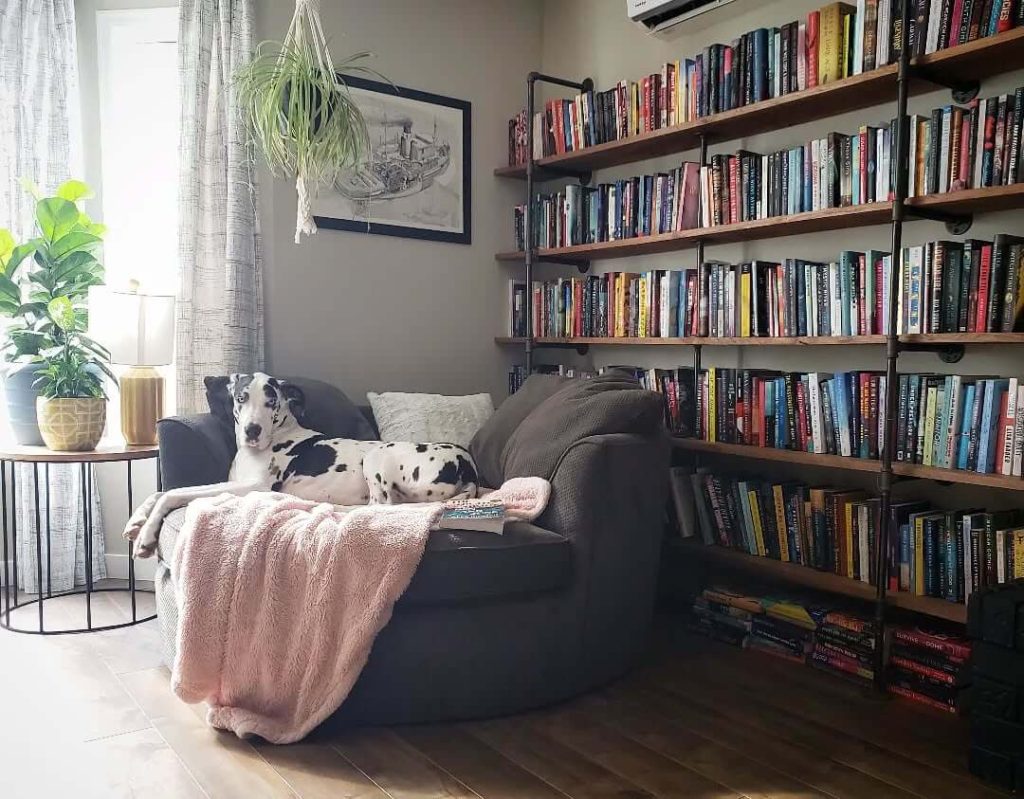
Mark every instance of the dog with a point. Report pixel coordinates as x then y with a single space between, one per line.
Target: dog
277 452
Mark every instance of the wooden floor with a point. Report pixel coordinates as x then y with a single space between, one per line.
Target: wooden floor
93 715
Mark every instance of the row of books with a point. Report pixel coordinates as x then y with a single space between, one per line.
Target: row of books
947 421
942 553
968 147
623 209
944 287
927 666
832 43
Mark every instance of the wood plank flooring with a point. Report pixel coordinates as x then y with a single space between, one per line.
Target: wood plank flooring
94 716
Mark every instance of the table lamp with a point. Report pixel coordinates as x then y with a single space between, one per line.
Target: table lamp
138 329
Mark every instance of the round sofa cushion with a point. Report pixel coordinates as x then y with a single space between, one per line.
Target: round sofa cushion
581 408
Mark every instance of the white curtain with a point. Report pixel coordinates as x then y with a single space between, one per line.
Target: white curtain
220 305
38 141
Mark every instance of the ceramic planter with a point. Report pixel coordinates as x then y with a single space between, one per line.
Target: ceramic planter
21 394
71 424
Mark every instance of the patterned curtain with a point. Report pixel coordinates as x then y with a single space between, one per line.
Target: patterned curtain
220 305
38 130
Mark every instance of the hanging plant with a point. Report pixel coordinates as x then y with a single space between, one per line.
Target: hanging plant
299 112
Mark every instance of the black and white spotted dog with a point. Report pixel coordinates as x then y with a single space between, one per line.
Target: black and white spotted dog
276 452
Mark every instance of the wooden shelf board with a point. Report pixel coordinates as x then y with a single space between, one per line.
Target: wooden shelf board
805 576
772 454
958 476
995 198
910 470
976 60
775 341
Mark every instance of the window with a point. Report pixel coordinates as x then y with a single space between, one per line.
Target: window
138 115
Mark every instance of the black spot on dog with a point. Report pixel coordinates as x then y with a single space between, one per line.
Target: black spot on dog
421 447
272 398
431 457
282 445
430 493
416 473
341 467
401 467
276 486
377 478
388 445
394 486
457 472
309 458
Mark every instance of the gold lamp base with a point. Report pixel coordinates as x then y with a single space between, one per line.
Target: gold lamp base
142 404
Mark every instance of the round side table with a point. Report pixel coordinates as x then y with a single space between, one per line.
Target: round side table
40 460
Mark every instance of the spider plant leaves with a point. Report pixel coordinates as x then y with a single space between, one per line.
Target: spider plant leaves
302 118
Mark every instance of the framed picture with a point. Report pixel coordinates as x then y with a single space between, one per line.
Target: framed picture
415 179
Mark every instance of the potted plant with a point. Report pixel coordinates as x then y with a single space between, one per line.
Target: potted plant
298 110
59 262
71 407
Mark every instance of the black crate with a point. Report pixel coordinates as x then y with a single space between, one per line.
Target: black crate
995 699
997 768
996 615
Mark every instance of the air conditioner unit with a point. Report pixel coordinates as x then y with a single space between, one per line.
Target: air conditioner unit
659 15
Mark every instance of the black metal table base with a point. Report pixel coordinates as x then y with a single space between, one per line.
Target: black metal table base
9 552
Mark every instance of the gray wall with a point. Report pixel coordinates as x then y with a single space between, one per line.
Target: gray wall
377 313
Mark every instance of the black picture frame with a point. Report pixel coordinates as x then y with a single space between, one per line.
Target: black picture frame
390 229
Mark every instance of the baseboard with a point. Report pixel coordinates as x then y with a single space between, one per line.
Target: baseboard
117 567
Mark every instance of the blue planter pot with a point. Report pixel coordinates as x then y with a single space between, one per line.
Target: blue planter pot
21 404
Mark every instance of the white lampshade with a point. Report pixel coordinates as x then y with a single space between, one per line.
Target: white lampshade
138 329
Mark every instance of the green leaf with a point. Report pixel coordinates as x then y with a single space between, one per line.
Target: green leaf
62 313
76 240
6 247
75 190
20 253
30 186
56 217
9 290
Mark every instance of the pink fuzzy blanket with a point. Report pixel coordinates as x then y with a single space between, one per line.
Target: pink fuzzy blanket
280 600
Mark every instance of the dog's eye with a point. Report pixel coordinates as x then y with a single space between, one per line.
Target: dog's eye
241 399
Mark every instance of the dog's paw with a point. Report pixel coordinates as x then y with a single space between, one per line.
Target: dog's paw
144 551
138 519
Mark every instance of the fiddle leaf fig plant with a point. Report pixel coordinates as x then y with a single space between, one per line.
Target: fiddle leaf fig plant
44 286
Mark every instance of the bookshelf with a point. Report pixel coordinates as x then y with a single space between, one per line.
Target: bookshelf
960 203
958 68
768 341
955 65
793 573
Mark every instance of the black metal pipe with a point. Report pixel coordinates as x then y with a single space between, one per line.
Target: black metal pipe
892 349
533 77
131 560
3 540
39 543
528 218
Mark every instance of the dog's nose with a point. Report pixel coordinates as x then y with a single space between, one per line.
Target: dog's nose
252 431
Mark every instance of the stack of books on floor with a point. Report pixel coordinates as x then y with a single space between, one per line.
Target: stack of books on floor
973 286
643 205
832 639
844 644
942 553
928 666
832 43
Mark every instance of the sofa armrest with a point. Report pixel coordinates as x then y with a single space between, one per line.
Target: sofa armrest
608 496
194 450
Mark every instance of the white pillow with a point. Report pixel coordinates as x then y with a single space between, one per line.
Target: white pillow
429 418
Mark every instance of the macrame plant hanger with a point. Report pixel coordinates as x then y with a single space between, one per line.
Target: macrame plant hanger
305 28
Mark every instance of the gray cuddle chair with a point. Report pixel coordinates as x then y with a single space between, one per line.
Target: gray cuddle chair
496 624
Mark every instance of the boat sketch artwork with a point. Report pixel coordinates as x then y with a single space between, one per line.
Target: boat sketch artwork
398 165
414 178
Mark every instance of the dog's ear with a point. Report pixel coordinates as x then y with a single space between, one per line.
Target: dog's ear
295 397
218 397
